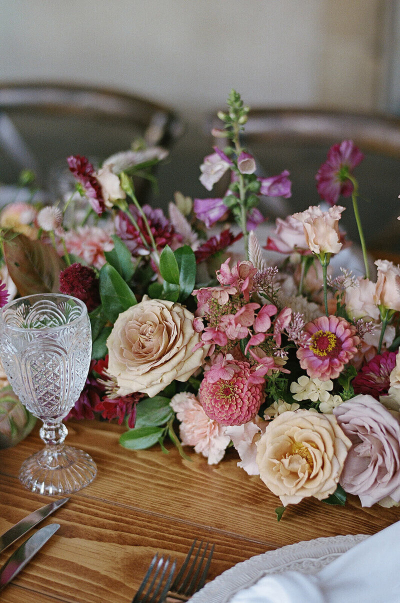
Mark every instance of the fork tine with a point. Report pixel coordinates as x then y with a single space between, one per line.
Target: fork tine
151 594
194 580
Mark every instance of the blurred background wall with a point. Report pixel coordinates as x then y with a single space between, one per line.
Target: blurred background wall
188 54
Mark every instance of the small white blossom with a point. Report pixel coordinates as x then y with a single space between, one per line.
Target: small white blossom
277 408
328 406
311 389
49 218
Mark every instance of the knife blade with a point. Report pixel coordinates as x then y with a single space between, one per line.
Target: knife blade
30 521
25 552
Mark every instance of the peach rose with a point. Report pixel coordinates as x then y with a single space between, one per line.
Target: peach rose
302 454
321 229
151 345
387 292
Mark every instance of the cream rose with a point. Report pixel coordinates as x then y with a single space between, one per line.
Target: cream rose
151 345
302 454
387 291
110 185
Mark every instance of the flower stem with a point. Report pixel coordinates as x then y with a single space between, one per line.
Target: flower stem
325 263
383 328
242 193
302 274
354 196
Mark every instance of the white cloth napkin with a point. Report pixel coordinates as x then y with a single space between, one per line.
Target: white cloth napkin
368 573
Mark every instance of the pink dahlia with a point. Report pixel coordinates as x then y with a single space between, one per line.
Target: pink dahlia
234 399
333 175
374 377
331 342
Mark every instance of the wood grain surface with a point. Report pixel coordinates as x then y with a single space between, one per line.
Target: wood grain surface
148 501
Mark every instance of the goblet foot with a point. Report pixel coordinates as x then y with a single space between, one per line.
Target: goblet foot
57 472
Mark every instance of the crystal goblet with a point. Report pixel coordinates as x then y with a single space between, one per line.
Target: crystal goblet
45 348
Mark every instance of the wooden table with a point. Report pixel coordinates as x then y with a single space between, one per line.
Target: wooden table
148 501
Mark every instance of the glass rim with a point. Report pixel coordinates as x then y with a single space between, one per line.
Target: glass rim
79 302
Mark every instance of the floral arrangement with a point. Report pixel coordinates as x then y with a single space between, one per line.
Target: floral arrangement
296 368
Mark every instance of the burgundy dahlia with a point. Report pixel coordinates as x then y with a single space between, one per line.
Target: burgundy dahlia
374 377
81 282
84 172
161 228
214 245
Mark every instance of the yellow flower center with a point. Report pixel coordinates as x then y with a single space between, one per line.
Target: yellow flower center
324 343
304 452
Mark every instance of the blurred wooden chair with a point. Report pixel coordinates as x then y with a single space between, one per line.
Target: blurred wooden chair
42 123
298 140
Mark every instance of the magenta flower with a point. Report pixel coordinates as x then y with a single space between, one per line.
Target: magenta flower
276 186
3 294
84 172
374 377
332 343
209 211
234 400
332 176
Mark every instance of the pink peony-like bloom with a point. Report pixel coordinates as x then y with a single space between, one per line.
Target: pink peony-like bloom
321 229
213 168
387 292
209 211
372 466
374 377
234 400
196 429
276 186
88 243
332 343
288 237
332 176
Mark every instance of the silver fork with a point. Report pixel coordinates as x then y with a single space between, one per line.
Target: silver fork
153 594
191 578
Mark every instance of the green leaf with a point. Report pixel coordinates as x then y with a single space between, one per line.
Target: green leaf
187 271
231 201
121 259
141 438
99 349
161 442
155 290
33 266
279 512
97 321
153 412
170 292
116 296
337 498
169 268
243 343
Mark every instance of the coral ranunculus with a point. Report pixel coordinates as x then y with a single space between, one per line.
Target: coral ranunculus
332 342
151 345
302 454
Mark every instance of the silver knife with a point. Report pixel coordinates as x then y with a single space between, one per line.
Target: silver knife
24 553
23 526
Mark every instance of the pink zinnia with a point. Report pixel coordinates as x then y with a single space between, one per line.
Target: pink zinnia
374 377
333 175
235 399
330 344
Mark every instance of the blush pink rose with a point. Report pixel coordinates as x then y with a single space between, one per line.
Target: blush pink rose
372 467
387 291
321 229
359 300
288 237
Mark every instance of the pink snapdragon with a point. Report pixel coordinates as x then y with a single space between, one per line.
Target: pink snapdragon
276 186
213 168
209 211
